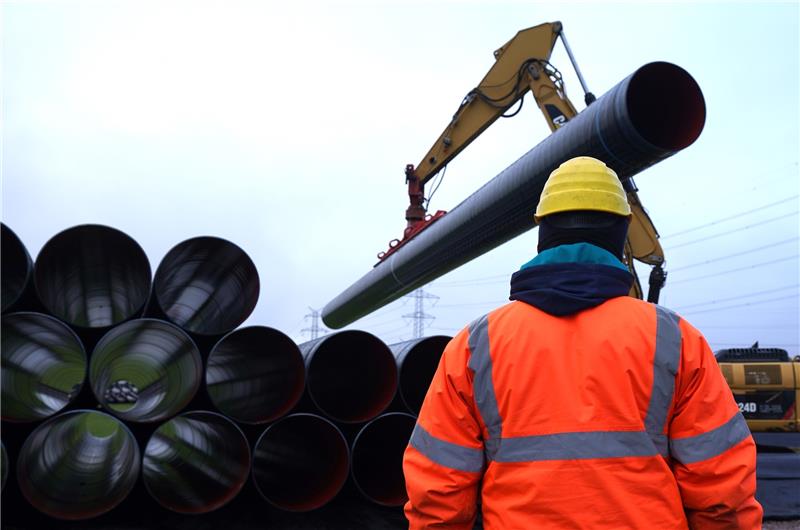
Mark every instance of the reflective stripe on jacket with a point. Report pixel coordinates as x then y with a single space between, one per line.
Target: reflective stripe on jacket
614 417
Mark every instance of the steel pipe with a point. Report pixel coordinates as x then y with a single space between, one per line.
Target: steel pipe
93 276
351 376
377 460
206 285
3 466
255 374
43 368
300 462
196 462
145 370
78 465
417 361
650 115
17 267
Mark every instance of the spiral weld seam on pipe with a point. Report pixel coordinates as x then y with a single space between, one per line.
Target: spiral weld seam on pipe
73 483
647 117
93 277
300 462
196 462
158 357
206 285
44 366
351 375
417 360
255 374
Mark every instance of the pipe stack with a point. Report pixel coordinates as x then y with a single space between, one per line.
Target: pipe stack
126 392
122 391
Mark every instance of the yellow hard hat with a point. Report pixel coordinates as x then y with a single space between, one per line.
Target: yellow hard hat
583 183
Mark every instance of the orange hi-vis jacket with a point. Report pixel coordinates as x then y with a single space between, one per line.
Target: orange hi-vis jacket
616 416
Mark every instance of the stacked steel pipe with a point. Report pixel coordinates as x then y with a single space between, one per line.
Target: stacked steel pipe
193 405
199 408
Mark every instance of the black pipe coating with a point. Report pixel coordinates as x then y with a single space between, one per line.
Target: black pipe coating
17 270
300 462
255 374
351 376
206 285
417 360
145 370
196 462
43 368
92 276
377 458
650 115
78 465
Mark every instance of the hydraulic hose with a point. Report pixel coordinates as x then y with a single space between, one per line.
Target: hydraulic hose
78 465
206 285
417 360
255 374
43 368
300 462
649 116
145 370
351 376
377 459
93 276
196 462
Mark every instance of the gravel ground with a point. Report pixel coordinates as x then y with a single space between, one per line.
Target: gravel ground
794 524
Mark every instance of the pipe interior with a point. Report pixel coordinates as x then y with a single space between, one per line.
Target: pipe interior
417 370
145 370
3 465
93 276
43 368
78 465
378 458
196 462
207 285
17 267
301 462
255 374
666 105
352 376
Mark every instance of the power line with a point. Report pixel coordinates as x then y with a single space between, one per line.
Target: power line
730 217
754 266
742 253
757 302
315 328
738 297
747 227
419 317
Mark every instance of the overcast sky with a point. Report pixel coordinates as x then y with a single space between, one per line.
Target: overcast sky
285 128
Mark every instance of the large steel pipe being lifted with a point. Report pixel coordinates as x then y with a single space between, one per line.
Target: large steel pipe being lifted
255 374
196 462
650 115
377 458
93 276
145 370
17 266
78 465
300 462
417 360
43 369
206 285
351 376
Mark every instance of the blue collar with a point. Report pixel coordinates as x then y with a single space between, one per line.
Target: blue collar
576 253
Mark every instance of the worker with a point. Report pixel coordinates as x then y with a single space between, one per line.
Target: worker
576 406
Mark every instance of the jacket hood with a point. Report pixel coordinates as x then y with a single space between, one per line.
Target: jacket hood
569 279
